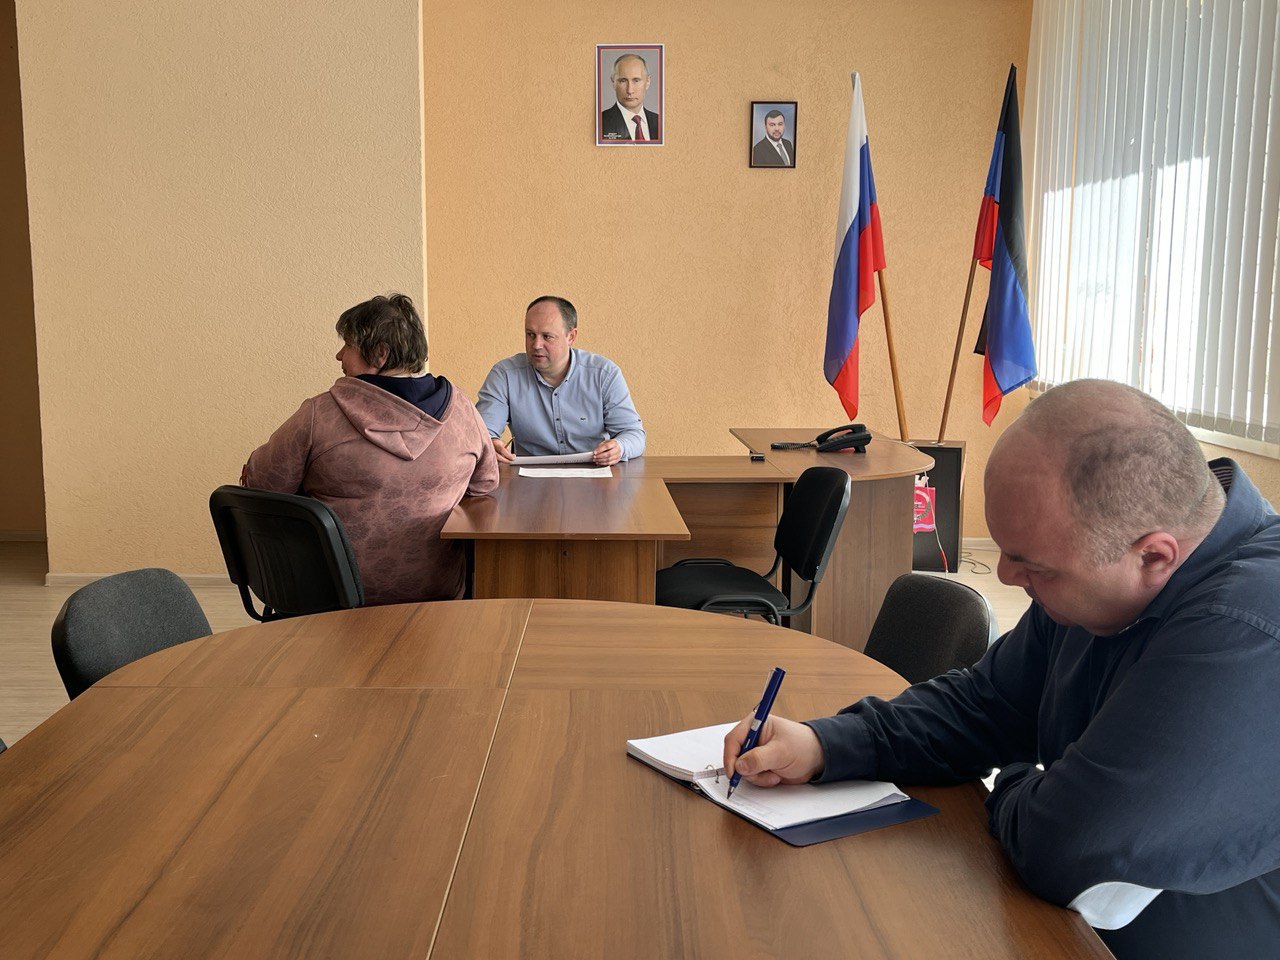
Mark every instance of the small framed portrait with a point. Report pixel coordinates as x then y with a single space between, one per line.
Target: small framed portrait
629 95
773 133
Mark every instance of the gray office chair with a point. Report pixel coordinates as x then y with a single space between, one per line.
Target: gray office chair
929 625
805 537
119 619
291 552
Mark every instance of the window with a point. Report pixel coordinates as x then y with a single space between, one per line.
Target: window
1154 201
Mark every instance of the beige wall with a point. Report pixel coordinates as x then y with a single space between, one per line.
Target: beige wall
1263 471
706 280
210 185
21 479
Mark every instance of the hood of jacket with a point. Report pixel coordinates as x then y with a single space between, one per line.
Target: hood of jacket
385 420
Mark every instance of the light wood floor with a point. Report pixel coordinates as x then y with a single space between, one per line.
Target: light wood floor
30 689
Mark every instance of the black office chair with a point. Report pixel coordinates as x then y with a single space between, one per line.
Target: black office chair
805 537
120 619
928 625
291 552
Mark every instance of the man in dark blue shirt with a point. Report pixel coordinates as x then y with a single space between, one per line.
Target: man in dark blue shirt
1134 710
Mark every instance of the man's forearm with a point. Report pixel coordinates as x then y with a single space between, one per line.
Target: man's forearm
631 442
846 748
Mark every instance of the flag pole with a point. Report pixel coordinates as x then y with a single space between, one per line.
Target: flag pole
955 359
893 359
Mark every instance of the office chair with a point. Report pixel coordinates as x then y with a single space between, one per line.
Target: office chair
119 619
290 551
805 536
928 625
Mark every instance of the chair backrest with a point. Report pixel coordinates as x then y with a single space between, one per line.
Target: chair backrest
290 551
119 619
929 625
811 521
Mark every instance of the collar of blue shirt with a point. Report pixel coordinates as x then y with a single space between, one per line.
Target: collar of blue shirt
567 374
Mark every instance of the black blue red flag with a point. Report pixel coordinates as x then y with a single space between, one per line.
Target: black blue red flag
1000 245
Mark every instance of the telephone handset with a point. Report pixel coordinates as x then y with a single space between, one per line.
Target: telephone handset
853 435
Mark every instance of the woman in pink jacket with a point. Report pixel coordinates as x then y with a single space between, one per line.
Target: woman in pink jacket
391 449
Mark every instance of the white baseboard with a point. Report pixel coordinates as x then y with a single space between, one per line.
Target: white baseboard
77 580
22 536
979 543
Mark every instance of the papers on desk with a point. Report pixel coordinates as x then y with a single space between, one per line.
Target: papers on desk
566 472
687 755
792 804
554 458
801 813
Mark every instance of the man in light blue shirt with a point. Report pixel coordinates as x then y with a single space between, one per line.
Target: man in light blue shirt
557 399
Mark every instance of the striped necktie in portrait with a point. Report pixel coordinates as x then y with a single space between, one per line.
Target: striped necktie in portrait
639 131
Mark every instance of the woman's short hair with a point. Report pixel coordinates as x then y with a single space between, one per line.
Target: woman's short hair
386 322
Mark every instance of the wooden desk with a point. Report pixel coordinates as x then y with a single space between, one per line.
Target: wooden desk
731 506
875 544
576 538
600 539
449 781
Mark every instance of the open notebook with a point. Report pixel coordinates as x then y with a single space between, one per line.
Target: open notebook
800 814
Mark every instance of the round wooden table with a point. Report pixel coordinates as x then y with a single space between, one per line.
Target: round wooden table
450 780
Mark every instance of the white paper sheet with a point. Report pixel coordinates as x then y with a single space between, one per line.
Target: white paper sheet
554 458
788 805
686 754
566 472
696 754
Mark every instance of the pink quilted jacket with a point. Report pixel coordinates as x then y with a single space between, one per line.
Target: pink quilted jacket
391 473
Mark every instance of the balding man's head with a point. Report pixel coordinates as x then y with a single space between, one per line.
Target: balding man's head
1126 465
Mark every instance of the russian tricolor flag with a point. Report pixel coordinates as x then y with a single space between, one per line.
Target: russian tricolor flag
859 254
999 245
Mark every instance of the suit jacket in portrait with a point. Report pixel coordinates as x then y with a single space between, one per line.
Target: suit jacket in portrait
614 126
765 154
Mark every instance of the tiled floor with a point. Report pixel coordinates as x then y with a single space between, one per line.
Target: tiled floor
30 689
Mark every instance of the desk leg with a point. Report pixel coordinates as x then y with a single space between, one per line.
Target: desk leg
567 569
873 549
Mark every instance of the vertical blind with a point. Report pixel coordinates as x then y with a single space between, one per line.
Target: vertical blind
1154 202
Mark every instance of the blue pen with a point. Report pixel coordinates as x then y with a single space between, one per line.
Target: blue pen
757 722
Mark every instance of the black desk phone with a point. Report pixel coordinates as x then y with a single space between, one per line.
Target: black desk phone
854 435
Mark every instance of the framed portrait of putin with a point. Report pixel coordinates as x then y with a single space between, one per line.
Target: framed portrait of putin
629 104
773 134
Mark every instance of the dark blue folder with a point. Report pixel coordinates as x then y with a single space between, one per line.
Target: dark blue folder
846 825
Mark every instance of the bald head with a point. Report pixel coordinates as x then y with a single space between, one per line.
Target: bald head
1125 465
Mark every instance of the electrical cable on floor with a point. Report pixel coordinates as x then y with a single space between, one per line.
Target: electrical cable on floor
978 567
946 567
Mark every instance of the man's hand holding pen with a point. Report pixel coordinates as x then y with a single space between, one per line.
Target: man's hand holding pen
786 752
